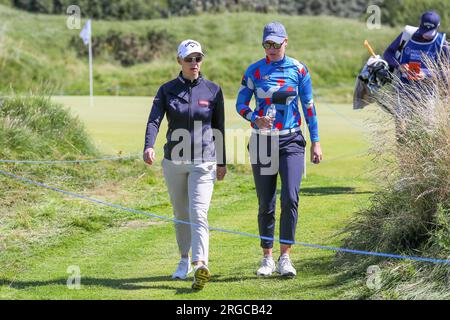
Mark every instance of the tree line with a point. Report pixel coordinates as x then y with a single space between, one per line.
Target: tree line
394 12
147 9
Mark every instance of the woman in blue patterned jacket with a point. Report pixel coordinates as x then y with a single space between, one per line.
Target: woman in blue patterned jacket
277 81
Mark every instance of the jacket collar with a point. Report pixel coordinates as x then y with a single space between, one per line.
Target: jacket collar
189 82
276 63
181 87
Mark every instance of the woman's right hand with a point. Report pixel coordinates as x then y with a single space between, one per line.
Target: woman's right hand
149 156
264 122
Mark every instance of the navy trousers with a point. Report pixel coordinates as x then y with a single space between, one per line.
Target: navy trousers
290 150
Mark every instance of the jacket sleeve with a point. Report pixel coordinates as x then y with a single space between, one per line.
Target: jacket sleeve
154 119
446 50
307 101
245 94
389 53
218 123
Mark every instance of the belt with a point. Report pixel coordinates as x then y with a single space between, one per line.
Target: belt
276 132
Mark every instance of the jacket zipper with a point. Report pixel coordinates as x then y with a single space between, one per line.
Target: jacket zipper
189 108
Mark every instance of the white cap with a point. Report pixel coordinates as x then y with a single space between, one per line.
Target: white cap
189 46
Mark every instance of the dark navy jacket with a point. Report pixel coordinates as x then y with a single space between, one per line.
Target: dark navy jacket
196 106
389 53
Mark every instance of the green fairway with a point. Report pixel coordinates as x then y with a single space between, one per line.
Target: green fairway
118 125
135 259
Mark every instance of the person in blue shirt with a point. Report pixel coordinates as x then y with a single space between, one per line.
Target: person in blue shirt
278 81
408 57
407 53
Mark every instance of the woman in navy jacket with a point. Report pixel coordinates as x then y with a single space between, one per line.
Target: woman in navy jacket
194 155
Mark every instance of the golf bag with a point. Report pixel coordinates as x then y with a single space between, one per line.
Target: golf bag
372 78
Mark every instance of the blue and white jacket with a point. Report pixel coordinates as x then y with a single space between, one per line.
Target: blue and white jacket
280 83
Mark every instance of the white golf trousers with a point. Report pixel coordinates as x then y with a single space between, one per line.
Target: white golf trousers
190 187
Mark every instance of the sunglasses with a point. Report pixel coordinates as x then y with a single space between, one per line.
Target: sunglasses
268 45
193 59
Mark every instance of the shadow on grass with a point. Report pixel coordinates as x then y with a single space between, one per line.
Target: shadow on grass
311 269
326 191
123 284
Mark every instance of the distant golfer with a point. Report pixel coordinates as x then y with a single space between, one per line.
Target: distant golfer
277 81
408 52
194 107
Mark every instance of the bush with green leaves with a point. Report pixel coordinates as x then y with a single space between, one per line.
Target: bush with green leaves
408 12
342 8
394 12
100 9
128 49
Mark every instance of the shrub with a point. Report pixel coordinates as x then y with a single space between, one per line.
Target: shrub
128 49
99 9
403 12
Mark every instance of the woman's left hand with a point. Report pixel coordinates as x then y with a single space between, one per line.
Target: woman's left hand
221 172
316 153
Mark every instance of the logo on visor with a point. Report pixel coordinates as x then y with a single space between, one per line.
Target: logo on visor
191 43
429 25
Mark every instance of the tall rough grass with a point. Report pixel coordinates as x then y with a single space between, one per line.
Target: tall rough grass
32 127
33 219
410 213
3 47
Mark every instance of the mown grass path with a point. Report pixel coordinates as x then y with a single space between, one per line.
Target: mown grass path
135 260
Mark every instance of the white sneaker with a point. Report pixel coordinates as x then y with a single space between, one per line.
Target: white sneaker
267 267
285 267
184 268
